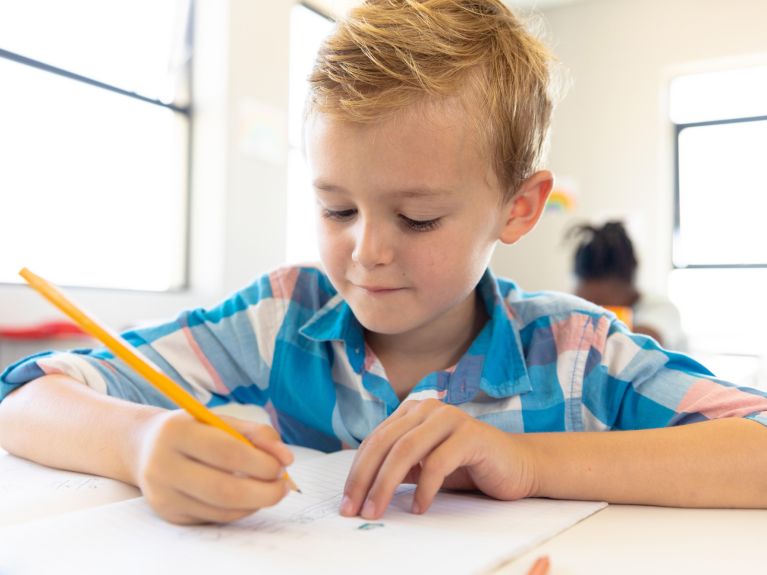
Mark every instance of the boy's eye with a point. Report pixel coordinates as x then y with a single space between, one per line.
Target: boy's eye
411 224
420 225
338 214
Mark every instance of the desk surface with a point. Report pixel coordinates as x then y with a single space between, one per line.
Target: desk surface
633 539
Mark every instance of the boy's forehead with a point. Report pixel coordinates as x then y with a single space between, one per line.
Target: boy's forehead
426 113
425 131
406 191
433 143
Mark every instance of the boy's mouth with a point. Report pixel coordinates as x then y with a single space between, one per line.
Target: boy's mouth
379 290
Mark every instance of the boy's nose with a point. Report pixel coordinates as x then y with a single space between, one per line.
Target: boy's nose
371 248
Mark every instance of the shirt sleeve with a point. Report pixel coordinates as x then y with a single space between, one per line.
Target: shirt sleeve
630 382
219 354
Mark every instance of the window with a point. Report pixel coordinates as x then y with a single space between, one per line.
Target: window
720 240
95 141
721 178
307 30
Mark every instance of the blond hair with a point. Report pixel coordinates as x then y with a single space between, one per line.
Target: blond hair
389 54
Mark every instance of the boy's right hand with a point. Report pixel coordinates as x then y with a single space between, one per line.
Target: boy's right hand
191 472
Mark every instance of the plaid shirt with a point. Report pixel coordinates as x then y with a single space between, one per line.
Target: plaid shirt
544 361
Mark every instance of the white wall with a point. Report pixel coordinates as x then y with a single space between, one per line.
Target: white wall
611 132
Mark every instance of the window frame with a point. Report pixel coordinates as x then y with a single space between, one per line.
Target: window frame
186 113
676 232
319 11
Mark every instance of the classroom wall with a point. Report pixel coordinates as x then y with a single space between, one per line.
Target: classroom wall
611 134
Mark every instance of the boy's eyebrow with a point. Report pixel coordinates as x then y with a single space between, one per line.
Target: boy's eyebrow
422 192
415 192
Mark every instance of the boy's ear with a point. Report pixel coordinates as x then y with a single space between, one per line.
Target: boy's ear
526 206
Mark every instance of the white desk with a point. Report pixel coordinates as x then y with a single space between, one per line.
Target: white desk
633 539
619 540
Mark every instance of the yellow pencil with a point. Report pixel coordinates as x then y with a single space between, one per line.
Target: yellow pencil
134 358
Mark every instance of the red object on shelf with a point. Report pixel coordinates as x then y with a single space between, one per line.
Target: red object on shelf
44 330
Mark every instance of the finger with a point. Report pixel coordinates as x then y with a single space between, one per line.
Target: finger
265 437
406 453
226 490
435 467
215 448
413 475
406 408
373 450
369 458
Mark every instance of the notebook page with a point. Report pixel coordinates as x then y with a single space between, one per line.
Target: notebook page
460 534
30 491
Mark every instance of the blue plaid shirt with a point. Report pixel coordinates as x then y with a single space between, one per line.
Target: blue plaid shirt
544 361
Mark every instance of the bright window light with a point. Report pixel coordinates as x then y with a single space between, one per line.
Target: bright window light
722 195
137 45
720 240
94 187
307 30
721 120
738 93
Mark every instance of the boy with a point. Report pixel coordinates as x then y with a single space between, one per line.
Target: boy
424 135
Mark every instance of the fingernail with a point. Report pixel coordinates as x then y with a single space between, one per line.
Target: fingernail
368 510
346 506
415 508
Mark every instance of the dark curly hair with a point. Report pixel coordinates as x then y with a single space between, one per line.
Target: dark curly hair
603 252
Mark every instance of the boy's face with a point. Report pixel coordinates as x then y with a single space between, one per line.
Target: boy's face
409 213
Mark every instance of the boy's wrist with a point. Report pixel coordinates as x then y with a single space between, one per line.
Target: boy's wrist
542 467
144 419
529 461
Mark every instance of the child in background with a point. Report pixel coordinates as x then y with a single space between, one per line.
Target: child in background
424 134
605 268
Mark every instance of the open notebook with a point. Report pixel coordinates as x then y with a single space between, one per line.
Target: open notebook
461 533
30 491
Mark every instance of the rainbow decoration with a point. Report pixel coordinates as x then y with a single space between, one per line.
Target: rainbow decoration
561 200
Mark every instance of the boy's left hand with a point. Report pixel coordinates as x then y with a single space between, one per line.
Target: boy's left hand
435 445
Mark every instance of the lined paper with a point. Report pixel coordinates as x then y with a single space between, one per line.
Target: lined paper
460 533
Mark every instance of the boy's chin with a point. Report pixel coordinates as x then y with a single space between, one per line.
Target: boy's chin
384 327
390 325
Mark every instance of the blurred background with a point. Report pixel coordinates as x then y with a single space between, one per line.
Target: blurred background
151 156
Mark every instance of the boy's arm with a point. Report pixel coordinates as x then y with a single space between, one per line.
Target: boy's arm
188 471
691 440
720 463
63 423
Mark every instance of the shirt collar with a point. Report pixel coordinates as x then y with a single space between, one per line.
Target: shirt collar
504 371
494 363
335 321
